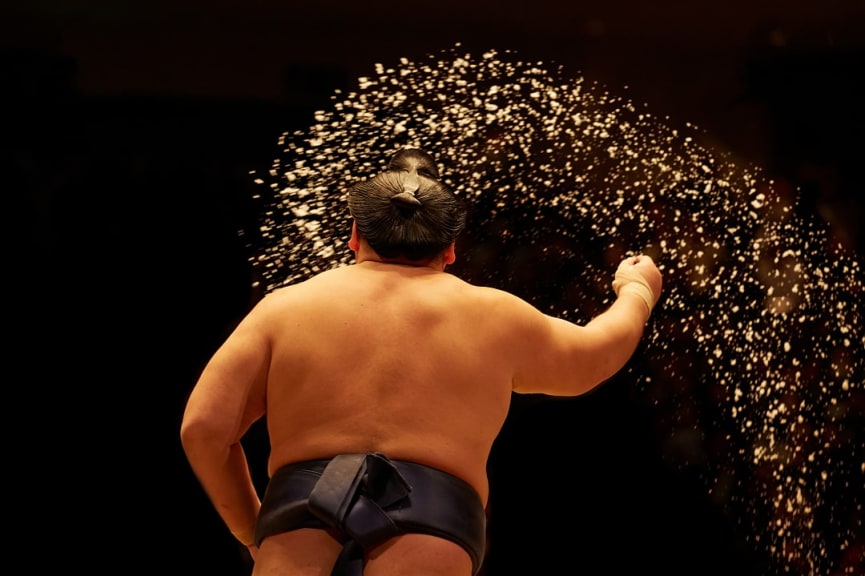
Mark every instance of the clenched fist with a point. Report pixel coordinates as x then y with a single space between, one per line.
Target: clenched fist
639 275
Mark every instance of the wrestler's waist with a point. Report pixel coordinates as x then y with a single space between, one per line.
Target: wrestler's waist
308 471
436 503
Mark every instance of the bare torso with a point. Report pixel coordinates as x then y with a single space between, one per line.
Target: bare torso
395 359
398 360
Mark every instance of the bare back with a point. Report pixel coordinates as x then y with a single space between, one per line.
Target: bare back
385 358
395 359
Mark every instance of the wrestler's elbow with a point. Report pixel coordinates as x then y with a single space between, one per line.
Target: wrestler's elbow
597 364
193 440
201 440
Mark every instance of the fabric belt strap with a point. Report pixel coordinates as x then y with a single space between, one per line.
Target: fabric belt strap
365 499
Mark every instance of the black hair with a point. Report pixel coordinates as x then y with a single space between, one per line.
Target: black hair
406 211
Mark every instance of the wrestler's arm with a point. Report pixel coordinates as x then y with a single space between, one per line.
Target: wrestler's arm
227 399
561 358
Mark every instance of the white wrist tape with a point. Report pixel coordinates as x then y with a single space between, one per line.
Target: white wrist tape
629 279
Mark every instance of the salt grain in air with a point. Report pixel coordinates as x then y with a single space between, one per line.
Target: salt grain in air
598 178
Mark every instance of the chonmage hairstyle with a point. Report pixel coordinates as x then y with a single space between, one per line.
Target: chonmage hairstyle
405 211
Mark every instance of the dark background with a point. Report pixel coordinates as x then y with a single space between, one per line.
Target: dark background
131 130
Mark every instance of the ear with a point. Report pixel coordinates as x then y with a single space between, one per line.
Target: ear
450 254
354 241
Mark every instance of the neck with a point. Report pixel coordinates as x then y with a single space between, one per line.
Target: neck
434 263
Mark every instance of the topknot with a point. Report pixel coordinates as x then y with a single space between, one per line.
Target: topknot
405 210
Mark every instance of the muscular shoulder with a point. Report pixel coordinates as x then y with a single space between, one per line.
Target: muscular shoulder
319 285
502 310
340 290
